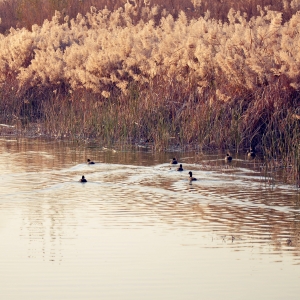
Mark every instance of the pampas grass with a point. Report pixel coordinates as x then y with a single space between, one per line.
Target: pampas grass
139 72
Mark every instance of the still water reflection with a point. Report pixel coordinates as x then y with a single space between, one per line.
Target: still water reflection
138 230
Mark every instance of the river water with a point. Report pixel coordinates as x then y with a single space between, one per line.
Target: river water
138 230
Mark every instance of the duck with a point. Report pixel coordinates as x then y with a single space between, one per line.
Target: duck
251 153
180 168
173 161
89 162
228 157
83 179
191 178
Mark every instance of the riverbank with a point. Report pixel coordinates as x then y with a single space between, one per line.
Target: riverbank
164 80
283 167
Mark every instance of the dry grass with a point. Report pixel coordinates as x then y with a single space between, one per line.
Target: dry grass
25 13
174 79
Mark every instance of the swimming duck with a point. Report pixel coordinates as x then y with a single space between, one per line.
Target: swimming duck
228 157
89 162
191 178
83 179
180 168
251 153
173 161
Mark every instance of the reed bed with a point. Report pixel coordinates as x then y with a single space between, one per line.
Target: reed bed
25 13
138 74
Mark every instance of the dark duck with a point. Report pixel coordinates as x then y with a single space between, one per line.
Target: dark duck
173 161
191 178
83 179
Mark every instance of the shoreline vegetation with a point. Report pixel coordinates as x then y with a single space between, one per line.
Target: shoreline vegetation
166 74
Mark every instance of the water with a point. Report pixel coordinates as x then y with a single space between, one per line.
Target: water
138 230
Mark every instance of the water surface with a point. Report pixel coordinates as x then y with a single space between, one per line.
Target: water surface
138 230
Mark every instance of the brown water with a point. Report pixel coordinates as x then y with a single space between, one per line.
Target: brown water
138 230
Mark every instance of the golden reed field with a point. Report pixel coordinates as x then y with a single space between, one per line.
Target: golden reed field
200 74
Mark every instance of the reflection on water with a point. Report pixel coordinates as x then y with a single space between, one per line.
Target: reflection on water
138 229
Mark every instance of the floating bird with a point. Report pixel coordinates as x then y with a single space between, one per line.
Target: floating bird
89 162
251 153
191 178
83 179
180 168
173 161
228 157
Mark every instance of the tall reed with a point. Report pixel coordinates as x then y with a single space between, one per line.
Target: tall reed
162 79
